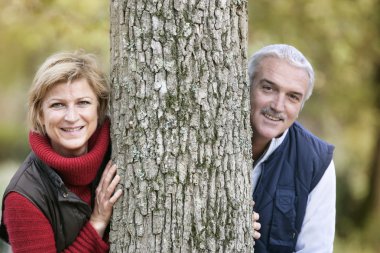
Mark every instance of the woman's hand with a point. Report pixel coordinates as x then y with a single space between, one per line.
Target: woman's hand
105 198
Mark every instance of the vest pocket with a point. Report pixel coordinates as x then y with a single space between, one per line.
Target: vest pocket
283 234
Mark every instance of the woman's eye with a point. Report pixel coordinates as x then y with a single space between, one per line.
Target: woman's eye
84 102
57 105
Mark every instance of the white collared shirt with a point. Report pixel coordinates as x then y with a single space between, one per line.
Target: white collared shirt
318 227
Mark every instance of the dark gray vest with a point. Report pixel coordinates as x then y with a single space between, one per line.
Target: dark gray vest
42 186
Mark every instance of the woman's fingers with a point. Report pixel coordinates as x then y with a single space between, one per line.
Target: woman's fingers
116 196
108 176
106 169
106 189
109 191
106 197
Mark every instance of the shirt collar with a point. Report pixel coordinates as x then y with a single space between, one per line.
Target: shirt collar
274 144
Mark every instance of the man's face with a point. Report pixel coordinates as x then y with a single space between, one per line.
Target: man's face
277 96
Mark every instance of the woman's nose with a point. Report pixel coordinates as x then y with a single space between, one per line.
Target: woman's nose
71 114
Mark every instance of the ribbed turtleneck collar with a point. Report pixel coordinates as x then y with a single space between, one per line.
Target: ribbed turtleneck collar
81 170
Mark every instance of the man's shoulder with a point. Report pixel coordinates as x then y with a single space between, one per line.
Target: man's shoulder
309 139
315 153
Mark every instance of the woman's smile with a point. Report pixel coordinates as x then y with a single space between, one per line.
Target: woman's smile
70 117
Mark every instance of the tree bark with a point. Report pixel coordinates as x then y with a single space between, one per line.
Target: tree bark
180 126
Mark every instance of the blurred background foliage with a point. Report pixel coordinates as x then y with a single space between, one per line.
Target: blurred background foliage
341 38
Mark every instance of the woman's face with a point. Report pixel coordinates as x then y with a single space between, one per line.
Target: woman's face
70 116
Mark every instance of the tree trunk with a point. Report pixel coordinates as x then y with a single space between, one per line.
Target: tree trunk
180 126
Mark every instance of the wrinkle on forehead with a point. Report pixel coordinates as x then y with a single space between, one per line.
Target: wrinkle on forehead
283 74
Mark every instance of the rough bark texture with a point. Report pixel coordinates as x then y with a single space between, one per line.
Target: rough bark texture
180 126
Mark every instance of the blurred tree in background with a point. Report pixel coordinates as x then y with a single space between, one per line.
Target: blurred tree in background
341 38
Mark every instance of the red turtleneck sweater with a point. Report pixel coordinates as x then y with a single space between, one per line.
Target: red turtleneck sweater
28 229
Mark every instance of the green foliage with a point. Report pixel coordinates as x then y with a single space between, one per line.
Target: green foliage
13 142
33 29
367 241
342 40
340 37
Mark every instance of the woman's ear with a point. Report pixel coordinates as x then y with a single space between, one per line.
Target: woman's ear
40 120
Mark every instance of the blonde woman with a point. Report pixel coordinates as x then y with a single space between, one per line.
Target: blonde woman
61 198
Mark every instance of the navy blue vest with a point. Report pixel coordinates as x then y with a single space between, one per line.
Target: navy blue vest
288 176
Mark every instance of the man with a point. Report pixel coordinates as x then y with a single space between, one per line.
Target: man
293 175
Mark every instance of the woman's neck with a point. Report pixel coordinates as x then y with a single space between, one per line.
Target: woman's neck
70 153
80 170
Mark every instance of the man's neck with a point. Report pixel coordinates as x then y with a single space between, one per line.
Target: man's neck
258 147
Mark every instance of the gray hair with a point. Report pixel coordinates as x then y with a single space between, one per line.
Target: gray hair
288 53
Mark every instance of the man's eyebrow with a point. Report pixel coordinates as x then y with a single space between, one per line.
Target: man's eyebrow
297 93
264 80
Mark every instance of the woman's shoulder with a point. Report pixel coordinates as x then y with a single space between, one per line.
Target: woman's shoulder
25 172
29 180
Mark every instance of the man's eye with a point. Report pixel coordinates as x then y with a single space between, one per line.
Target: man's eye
267 87
294 98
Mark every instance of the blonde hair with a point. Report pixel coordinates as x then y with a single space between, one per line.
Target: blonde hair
66 67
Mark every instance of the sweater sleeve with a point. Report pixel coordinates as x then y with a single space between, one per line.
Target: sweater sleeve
30 231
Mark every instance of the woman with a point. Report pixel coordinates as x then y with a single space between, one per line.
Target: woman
61 198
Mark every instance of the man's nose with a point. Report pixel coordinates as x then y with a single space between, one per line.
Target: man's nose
278 103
